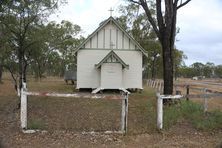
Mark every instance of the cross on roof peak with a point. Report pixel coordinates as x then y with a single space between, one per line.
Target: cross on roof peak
111 11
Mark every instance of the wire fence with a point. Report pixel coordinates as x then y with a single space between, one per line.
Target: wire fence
189 91
82 118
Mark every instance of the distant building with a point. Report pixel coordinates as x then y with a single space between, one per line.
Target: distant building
109 59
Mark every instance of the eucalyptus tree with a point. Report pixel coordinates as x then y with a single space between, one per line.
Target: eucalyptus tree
137 25
54 49
218 71
65 36
208 70
18 18
164 26
179 56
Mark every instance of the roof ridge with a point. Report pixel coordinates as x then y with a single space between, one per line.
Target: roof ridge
102 24
112 52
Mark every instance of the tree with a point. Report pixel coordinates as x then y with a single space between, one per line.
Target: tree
64 39
137 25
218 71
208 70
198 68
164 25
18 18
179 56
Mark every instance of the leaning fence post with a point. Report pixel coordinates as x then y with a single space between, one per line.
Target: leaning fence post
124 113
159 111
23 114
157 86
154 83
205 100
188 92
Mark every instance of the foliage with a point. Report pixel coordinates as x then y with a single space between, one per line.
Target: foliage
31 45
218 71
164 26
208 70
193 113
18 19
55 50
135 22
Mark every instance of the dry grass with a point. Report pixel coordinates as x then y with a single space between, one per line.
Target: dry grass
84 114
63 118
213 103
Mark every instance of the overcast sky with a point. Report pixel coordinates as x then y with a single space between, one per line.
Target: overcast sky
200 23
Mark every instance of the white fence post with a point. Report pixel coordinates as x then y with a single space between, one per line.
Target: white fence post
124 115
205 100
160 86
23 114
159 111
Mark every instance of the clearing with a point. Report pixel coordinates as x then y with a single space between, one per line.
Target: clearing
63 121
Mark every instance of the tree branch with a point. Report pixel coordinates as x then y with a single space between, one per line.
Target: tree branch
159 15
183 4
150 18
136 2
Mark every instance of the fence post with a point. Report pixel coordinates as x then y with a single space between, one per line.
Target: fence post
158 83
163 87
175 86
159 112
124 115
23 114
154 83
160 87
188 92
205 100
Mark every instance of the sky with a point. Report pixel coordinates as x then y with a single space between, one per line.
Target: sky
200 23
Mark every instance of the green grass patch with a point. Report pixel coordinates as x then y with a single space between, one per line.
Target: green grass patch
193 113
36 124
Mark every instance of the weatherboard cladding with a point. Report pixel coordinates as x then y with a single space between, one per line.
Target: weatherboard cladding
110 35
94 58
88 76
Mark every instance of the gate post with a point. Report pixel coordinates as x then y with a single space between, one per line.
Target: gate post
205 100
124 114
159 111
23 114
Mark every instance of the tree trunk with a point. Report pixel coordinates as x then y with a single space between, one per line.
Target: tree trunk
153 69
167 67
1 71
20 71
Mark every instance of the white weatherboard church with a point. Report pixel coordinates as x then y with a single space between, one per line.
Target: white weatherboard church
109 59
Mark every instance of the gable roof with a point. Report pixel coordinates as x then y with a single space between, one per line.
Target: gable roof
104 23
112 55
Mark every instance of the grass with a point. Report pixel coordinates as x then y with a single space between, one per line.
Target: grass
86 115
36 124
193 113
